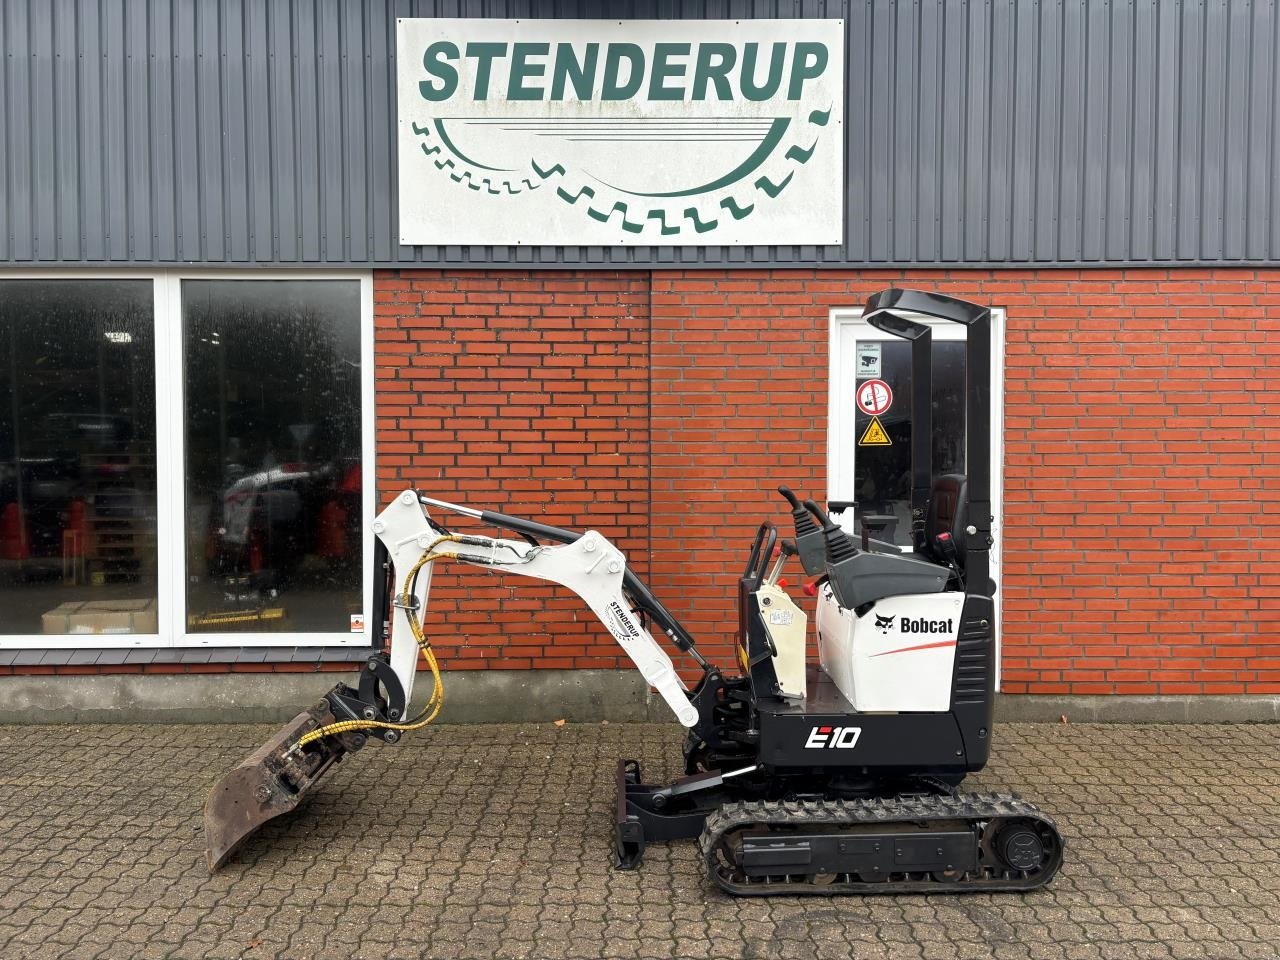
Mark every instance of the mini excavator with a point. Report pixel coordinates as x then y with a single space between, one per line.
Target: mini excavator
839 777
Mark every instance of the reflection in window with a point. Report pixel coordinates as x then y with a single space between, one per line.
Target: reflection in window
882 474
77 457
273 444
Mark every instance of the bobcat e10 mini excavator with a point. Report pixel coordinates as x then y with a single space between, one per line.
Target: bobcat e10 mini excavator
799 779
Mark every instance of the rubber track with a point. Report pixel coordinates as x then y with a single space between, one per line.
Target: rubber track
989 811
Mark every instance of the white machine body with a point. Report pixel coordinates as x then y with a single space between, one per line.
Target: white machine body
897 657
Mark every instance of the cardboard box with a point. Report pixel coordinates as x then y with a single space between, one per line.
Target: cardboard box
102 617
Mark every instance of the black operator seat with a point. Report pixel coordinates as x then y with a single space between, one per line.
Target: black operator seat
948 514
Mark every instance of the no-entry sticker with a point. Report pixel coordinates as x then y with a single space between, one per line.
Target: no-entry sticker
874 397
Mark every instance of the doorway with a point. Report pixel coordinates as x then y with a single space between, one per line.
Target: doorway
872 476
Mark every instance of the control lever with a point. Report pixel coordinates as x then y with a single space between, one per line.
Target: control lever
786 549
841 551
838 544
810 545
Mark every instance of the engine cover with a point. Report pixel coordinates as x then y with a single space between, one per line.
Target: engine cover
899 656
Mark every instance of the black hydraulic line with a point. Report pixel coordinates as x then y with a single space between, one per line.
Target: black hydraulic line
531 527
634 586
381 632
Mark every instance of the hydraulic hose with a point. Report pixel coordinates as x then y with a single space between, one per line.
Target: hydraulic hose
432 709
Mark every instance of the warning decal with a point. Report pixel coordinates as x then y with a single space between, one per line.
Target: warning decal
874 397
874 435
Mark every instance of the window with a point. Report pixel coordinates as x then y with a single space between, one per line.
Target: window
273 461
77 457
234 510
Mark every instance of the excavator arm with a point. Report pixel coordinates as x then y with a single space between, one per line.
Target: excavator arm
274 779
590 566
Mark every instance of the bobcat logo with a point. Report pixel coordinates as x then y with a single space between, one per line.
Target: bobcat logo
883 623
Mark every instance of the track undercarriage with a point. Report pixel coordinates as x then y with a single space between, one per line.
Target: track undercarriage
765 831
922 840
909 843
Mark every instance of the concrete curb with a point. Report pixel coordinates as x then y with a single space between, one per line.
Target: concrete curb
501 696
1257 708
472 696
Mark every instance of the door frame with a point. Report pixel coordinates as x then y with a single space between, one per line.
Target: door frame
166 289
840 420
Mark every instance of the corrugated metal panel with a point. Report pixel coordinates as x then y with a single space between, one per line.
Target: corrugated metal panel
260 131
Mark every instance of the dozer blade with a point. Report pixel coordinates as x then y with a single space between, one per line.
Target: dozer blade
268 784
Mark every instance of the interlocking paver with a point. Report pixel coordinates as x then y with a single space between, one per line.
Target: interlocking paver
494 841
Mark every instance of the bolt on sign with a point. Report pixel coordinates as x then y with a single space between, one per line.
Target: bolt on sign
606 132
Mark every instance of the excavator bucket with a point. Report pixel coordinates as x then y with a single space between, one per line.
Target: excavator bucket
268 783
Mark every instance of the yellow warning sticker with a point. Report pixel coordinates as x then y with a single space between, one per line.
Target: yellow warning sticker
874 435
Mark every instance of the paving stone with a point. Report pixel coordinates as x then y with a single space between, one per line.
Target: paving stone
495 841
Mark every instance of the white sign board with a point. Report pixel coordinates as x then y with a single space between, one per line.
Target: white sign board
607 132
868 359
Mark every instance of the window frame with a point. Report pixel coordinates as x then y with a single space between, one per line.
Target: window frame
171 462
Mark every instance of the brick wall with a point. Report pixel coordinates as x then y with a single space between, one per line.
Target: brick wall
524 393
1137 439
739 405
1142 458
1142 479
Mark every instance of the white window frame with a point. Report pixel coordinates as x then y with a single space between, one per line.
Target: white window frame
171 461
840 423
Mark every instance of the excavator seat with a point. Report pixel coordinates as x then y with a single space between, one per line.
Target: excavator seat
948 513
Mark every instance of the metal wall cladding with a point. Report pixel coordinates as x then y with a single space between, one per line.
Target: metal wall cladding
999 132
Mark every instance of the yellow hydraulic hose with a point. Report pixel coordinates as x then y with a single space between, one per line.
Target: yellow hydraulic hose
415 626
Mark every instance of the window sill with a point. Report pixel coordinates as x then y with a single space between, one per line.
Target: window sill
86 657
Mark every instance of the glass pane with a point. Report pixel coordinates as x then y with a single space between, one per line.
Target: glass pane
273 510
77 457
883 473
